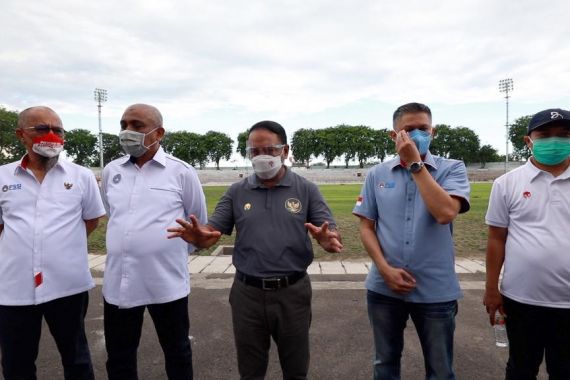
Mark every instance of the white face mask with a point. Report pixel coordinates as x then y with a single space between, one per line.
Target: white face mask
265 166
132 142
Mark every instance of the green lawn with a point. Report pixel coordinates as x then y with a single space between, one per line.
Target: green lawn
469 229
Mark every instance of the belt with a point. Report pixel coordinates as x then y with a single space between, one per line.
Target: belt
270 283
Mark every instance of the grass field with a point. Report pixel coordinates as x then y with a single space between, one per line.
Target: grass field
470 231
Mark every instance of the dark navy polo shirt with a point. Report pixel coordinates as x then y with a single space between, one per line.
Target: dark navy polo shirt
271 238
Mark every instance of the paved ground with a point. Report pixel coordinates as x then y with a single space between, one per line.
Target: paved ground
341 343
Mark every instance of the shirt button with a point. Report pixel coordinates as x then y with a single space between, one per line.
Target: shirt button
407 242
408 218
409 199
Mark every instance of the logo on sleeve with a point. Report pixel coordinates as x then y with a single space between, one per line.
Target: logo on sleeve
359 200
117 178
293 205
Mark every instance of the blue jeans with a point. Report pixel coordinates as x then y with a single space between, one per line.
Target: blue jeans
435 325
20 331
123 329
537 332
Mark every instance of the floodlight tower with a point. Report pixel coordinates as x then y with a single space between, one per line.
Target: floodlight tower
100 97
506 86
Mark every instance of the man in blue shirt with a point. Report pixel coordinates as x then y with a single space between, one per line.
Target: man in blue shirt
405 208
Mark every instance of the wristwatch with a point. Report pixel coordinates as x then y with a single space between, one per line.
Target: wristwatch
415 167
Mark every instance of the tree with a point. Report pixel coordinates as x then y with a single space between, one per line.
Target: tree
465 145
304 145
219 145
242 143
487 154
328 144
517 132
383 144
80 144
10 147
187 146
442 140
111 147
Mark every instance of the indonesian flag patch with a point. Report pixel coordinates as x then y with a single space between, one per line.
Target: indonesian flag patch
359 200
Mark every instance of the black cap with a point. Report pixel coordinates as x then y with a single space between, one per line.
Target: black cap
547 117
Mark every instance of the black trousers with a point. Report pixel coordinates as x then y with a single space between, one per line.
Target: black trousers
20 332
123 329
535 332
284 315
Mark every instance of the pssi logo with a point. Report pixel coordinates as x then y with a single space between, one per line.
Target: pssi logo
17 186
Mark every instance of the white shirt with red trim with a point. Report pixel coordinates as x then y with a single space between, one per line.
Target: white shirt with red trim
43 245
535 208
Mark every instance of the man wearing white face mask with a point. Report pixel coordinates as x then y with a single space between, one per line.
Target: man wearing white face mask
48 207
144 194
273 211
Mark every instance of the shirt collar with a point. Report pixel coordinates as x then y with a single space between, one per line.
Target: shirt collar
428 160
287 180
159 157
23 164
535 171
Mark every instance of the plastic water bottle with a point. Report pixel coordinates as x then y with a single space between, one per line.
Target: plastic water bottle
501 339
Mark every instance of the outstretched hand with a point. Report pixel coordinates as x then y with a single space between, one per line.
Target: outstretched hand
194 233
328 239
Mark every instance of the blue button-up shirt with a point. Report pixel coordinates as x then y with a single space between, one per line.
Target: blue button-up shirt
408 234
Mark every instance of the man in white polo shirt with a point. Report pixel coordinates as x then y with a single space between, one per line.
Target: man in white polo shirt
528 215
48 207
145 192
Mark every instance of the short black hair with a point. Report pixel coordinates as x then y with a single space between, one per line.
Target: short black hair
409 108
271 126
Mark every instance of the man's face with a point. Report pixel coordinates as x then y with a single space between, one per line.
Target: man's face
410 121
552 130
261 141
39 122
139 119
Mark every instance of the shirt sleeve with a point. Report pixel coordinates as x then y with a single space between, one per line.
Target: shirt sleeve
223 217
366 202
497 211
91 203
456 183
319 211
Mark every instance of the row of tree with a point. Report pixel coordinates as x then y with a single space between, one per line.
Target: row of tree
346 142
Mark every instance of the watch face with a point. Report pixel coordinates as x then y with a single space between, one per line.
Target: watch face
416 167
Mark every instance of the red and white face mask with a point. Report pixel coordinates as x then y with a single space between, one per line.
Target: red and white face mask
48 145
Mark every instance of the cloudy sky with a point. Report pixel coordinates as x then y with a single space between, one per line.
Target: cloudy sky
224 65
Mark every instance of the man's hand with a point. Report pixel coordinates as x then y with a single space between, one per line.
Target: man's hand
406 148
493 301
194 233
399 280
328 239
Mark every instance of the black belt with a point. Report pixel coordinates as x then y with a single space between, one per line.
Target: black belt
270 283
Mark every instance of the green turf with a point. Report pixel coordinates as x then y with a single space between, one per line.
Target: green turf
470 231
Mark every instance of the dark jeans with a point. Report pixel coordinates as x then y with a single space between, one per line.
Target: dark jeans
535 332
123 329
435 324
285 315
20 331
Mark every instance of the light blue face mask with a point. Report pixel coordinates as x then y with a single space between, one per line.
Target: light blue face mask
422 139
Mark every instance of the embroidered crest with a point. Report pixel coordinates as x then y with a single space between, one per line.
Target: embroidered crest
67 185
293 205
247 206
117 178
359 200
526 194
16 186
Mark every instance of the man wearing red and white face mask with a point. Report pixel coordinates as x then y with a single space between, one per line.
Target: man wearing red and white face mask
48 207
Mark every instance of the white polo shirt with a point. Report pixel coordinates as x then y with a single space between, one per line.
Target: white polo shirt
535 207
43 247
143 266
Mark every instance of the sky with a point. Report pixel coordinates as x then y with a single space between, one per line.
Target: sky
225 65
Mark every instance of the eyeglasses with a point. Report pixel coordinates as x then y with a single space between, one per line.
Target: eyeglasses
43 129
271 150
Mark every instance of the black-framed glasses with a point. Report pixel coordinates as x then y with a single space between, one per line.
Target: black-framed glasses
43 129
271 150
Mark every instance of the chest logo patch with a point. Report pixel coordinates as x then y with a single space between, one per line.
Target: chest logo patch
293 205
386 185
247 206
526 194
67 185
117 178
17 186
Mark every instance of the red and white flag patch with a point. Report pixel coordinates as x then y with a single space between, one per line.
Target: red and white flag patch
359 200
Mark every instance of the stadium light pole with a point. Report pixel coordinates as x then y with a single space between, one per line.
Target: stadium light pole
506 86
100 97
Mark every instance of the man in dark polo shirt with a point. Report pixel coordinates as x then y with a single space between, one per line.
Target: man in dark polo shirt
273 211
